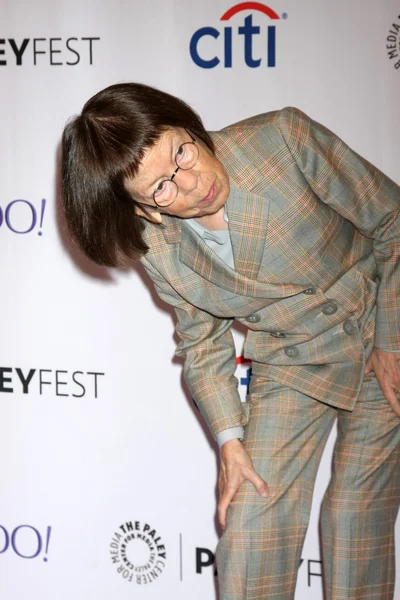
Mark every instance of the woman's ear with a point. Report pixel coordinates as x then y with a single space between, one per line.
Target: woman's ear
152 215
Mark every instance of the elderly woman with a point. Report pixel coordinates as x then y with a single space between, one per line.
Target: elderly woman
276 223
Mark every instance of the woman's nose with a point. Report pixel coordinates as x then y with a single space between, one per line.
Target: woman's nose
187 181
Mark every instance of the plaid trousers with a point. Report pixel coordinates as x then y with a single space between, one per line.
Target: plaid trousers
259 553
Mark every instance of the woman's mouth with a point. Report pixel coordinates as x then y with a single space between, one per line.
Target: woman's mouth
211 194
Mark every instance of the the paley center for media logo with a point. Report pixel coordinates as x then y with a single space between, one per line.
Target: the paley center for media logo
138 552
248 28
393 43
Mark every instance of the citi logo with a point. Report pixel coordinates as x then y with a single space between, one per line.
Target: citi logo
202 47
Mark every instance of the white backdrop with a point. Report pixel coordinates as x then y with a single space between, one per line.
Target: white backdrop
98 437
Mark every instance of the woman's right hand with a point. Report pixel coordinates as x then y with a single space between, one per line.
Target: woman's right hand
236 467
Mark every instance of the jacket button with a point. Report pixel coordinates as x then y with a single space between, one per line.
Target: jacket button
277 334
309 291
349 328
291 351
329 308
254 318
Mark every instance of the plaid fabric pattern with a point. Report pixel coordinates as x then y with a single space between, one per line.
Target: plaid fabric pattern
259 553
311 223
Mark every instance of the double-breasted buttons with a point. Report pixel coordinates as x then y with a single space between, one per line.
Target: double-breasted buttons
277 334
291 351
329 308
349 327
311 290
253 318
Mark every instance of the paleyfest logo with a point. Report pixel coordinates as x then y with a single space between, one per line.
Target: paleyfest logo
53 51
207 54
58 382
308 568
21 216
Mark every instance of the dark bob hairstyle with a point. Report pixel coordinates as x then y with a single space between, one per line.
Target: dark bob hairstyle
103 146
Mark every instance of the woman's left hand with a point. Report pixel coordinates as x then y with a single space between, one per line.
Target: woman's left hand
386 366
236 467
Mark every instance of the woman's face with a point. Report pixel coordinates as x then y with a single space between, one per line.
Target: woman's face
202 190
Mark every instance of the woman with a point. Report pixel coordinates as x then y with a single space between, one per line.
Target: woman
276 223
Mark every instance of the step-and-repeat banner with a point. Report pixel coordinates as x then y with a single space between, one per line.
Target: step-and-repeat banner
108 476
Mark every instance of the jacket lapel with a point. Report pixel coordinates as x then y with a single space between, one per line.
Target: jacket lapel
248 224
247 210
195 254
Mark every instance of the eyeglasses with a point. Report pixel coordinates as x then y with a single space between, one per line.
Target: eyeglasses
185 159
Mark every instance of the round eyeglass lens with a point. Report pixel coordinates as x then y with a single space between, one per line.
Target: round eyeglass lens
166 194
187 155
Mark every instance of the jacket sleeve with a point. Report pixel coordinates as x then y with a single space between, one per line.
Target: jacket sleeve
362 194
207 346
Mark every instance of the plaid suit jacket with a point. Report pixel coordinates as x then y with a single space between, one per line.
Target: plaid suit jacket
315 232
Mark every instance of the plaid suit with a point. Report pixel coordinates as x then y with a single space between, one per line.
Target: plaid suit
315 232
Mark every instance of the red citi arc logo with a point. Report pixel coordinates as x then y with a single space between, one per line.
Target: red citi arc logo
248 30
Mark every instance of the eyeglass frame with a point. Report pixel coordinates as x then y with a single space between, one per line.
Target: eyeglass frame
194 142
